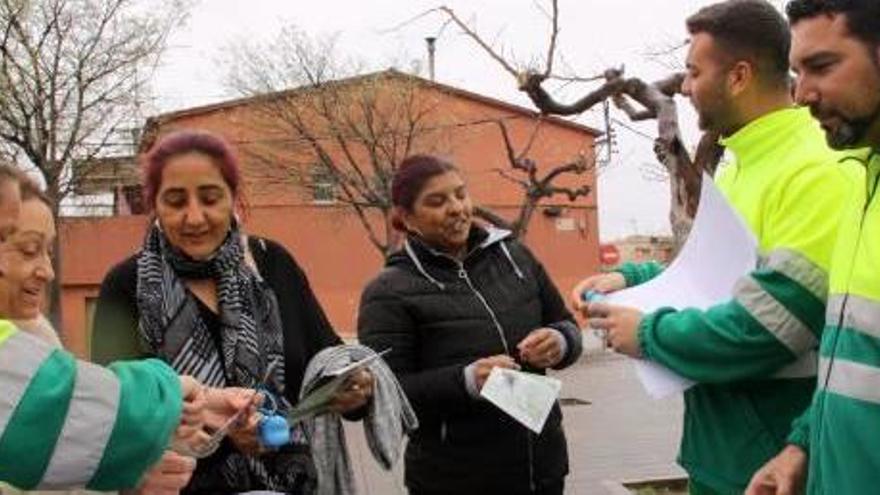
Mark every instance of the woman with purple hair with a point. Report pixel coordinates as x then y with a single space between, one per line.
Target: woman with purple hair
459 300
230 309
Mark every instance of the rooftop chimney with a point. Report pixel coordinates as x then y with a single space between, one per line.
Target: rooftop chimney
431 44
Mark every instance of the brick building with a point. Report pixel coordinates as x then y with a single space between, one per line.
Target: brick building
323 234
640 248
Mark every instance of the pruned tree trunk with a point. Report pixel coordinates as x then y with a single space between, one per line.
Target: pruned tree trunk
685 179
656 101
535 188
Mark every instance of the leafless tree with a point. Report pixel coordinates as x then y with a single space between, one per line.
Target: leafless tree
524 172
638 99
356 130
327 130
70 75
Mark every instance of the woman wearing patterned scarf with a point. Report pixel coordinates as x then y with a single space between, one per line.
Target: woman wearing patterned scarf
231 310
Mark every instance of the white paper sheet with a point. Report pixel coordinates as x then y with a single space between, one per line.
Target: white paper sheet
719 250
526 397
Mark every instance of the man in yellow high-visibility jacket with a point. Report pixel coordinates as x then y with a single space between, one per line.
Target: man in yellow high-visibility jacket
836 54
754 356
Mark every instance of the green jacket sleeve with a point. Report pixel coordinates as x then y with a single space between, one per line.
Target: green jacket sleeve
777 315
149 410
639 273
66 423
778 311
800 430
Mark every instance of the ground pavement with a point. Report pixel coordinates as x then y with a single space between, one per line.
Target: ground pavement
622 435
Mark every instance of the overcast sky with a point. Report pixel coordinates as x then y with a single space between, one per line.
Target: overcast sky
594 34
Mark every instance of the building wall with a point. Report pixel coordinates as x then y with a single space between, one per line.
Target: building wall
327 240
640 248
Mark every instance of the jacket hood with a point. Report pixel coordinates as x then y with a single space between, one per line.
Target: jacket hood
417 253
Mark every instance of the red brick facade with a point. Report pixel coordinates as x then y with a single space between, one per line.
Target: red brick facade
327 239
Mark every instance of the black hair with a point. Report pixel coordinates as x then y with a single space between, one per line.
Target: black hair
862 16
751 30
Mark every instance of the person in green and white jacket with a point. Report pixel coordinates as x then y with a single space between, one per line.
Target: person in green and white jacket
66 423
836 54
754 355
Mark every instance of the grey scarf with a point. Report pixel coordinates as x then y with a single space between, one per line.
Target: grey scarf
250 340
389 418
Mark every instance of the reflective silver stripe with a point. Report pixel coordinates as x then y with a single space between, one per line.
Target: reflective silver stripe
800 269
21 356
862 314
851 379
87 428
774 317
806 366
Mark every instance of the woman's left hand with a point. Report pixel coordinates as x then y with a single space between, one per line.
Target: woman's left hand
542 348
242 405
245 433
355 395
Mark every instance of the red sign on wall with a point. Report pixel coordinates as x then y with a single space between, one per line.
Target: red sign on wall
609 254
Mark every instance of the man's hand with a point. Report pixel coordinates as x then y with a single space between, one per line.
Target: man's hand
622 325
541 348
170 475
355 394
785 474
604 283
484 366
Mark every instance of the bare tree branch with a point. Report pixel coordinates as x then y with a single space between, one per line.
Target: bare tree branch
572 194
656 101
575 79
530 83
473 35
358 128
554 34
537 189
512 156
68 72
532 137
512 178
709 153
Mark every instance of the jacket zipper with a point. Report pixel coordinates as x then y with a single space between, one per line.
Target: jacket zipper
872 191
462 274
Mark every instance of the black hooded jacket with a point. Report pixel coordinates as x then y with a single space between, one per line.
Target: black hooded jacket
439 315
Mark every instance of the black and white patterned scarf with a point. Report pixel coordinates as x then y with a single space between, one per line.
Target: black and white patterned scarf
250 342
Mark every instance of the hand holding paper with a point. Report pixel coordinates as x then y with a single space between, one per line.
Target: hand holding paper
484 367
324 397
622 325
354 394
719 250
526 397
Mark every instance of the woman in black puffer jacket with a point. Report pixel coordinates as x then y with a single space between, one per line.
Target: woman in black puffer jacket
458 300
